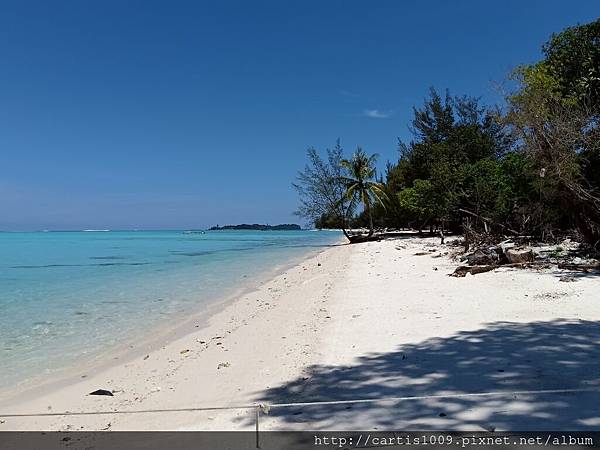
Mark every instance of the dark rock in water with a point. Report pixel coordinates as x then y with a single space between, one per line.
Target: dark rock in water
101 392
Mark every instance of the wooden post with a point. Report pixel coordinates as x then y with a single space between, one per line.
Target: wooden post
257 413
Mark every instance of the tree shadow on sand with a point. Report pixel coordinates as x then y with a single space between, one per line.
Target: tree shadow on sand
504 356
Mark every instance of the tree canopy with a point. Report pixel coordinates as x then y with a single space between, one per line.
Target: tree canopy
529 166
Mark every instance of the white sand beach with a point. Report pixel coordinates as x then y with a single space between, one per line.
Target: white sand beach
356 322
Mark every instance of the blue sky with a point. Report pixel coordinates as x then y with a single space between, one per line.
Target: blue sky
147 114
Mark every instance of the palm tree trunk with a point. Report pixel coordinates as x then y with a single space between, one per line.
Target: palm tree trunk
344 218
370 214
346 234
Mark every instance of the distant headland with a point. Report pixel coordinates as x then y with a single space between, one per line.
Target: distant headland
259 227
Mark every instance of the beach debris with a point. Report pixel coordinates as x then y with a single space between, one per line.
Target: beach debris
481 258
101 392
146 357
223 365
462 271
568 279
520 256
580 267
183 352
421 253
524 253
319 264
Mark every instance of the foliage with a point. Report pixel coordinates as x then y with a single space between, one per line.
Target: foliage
532 168
555 116
360 186
436 172
322 189
572 59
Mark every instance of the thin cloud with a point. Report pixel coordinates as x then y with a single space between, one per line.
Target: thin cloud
376 114
349 94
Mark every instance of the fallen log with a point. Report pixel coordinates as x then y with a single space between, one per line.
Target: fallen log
462 271
579 267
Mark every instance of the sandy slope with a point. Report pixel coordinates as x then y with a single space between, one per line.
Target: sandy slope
364 321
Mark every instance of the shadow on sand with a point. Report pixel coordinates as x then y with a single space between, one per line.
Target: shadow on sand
504 356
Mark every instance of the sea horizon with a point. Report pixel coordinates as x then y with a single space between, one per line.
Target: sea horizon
105 230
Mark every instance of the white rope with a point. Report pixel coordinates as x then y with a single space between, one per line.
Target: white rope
265 407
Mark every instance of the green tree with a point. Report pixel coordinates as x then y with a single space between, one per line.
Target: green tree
555 116
322 190
572 58
360 184
420 202
430 180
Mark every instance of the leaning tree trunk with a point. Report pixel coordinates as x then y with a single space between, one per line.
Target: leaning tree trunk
346 234
344 230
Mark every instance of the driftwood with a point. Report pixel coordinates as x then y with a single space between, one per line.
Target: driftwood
579 267
462 271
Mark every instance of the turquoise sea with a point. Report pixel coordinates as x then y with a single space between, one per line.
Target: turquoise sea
67 296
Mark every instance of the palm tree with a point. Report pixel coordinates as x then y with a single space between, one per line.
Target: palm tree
360 186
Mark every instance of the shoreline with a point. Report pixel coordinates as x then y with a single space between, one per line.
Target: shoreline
140 343
142 382
366 321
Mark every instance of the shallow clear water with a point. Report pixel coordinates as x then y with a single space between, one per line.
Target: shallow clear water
65 296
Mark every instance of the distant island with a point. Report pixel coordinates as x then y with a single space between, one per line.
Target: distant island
258 227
